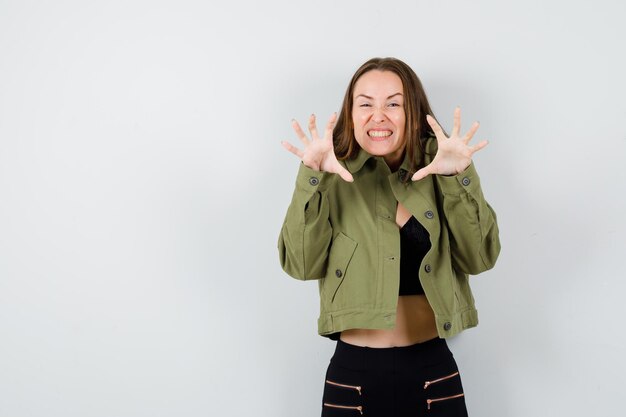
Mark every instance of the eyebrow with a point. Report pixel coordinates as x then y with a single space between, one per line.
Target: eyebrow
371 98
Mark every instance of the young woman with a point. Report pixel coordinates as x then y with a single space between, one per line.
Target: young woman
389 216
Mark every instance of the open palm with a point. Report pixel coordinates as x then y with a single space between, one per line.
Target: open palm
318 153
454 153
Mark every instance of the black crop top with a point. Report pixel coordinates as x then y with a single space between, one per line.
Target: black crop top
414 243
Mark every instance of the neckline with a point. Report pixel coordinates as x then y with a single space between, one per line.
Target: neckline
411 219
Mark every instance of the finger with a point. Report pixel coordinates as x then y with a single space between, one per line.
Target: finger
422 173
436 128
345 175
328 134
313 127
297 152
456 127
470 133
479 146
299 132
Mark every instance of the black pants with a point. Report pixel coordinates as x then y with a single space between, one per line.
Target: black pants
417 380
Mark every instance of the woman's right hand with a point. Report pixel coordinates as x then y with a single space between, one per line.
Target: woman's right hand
318 153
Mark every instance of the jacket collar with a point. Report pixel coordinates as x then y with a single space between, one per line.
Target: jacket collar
356 163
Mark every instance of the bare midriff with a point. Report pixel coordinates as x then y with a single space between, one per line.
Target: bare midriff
415 319
415 323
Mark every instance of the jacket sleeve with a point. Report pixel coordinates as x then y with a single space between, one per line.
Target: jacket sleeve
306 233
474 236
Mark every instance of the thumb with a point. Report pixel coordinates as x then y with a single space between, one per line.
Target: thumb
345 174
421 173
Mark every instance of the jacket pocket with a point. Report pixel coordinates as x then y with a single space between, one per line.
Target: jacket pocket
341 252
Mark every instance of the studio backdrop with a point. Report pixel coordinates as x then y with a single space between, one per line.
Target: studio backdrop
143 187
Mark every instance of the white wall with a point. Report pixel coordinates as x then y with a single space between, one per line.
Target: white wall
142 188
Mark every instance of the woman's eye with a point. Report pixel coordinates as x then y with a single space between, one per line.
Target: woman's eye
365 105
394 105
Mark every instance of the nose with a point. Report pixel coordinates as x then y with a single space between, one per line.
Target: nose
378 115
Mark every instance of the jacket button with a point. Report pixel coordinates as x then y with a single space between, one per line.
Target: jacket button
427 268
447 326
402 174
314 181
466 181
338 273
429 214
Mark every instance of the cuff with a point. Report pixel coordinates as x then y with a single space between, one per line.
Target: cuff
464 182
310 180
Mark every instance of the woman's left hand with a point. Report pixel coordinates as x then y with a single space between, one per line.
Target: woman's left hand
454 153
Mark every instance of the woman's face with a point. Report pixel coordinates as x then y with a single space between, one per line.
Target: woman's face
378 115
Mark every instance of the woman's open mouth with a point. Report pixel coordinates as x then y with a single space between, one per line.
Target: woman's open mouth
379 135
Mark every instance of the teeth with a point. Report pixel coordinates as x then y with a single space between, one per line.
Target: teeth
379 133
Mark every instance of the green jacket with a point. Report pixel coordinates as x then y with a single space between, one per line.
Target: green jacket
345 235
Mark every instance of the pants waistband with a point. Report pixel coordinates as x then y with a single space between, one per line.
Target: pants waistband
423 354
